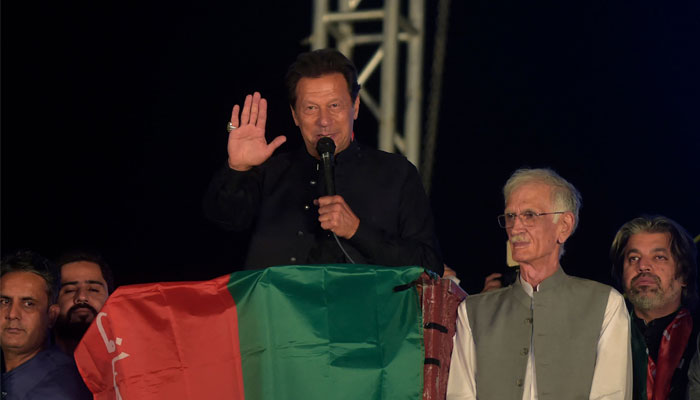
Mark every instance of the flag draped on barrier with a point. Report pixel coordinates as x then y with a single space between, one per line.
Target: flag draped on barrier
293 332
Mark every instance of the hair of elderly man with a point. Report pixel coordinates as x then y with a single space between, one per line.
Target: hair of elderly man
30 261
682 246
565 197
314 64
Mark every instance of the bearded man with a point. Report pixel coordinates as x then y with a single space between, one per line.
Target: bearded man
655 261
85 283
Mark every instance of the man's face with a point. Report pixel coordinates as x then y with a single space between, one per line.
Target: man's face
324 108
25 312
649 273
536 244
83 292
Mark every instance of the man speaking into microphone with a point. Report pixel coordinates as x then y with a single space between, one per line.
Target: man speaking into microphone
355 205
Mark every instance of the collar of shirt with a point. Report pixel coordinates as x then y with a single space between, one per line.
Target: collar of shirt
526 286
653 331
549 282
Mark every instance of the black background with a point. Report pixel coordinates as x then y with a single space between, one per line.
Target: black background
113 118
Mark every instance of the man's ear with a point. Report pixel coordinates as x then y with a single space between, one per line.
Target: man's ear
294 115
54 310
681 279
566 226
357 107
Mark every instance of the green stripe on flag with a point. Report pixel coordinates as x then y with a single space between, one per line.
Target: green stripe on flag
332 331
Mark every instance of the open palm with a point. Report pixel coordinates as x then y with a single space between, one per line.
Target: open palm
247 146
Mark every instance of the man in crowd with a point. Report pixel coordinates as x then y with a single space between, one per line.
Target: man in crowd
32 369
380 215
549 335
655 260
85 283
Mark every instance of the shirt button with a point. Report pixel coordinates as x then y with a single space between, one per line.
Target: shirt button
524 351
293 259
519 382
300 233
312 182
527 321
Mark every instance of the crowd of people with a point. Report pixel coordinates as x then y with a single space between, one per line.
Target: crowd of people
45 309
546 335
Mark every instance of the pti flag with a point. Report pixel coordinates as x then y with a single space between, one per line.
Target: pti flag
293 332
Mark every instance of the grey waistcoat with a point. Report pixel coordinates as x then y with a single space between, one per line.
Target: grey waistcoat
566 318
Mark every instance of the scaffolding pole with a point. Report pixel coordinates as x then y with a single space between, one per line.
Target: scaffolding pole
396 28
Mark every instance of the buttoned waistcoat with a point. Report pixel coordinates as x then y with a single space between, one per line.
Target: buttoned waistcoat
562 321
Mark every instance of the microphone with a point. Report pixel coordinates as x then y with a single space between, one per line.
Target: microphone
326 149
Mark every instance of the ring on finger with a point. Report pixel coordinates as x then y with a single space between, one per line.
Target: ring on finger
230 127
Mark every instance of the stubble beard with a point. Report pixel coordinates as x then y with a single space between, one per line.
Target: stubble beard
648 298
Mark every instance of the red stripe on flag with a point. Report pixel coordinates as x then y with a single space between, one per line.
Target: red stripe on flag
164 341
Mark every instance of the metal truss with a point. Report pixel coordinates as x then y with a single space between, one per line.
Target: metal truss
340 25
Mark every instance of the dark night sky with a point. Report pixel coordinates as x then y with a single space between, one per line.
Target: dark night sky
113 121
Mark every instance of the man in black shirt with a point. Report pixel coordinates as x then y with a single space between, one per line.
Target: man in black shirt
380 215
655 260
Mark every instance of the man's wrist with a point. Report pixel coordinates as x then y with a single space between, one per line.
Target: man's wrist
354 231
239 168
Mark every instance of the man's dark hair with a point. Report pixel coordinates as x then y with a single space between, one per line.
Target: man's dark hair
90 256
30 261
314 64
683 249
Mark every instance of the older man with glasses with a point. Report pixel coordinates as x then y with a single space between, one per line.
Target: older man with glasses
549 335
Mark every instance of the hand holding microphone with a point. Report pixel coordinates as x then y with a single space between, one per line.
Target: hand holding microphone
335 214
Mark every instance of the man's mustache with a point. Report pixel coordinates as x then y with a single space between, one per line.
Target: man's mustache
518 238
78 307
646 275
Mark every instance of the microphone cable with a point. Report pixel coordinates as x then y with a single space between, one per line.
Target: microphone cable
343 249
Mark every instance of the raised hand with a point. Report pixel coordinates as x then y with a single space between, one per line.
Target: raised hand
335 215
247 146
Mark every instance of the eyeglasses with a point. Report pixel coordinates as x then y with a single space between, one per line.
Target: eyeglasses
526 217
